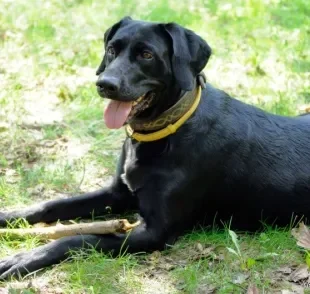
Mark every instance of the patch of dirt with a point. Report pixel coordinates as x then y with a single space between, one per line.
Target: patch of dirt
42 284
153 274
22 137
155 268
42 103
252 289
291 278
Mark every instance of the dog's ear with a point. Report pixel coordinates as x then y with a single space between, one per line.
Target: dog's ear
109 33
190 54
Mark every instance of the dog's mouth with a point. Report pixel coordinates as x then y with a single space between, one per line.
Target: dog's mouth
119 113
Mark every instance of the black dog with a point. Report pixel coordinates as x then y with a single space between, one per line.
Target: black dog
193 154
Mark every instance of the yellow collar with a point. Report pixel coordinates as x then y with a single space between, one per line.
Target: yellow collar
168 130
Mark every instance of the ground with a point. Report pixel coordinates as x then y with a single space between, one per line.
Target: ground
54 142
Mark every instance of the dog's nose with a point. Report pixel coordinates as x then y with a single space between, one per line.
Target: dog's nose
109 84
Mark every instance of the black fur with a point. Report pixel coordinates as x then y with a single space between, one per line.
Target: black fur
230 162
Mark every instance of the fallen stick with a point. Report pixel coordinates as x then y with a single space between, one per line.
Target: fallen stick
58 231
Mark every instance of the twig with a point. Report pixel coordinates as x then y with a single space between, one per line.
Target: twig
58 231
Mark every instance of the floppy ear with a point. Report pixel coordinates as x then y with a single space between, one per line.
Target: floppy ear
190 54
109 33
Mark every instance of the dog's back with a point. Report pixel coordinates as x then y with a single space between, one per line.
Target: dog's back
256 164
305 116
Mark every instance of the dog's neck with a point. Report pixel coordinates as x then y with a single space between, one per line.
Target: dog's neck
169 116
170 119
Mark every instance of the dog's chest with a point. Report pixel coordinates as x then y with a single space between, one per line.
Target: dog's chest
129 167
140 161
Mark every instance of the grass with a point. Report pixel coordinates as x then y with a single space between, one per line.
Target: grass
263 254
54 142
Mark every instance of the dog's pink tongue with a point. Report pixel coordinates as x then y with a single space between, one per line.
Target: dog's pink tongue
116 114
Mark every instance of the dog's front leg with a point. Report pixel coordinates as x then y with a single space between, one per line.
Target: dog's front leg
84 206
116 197
141 239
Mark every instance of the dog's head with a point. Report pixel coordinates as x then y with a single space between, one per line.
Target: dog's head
145 66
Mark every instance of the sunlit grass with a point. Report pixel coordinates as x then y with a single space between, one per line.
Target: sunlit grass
49 52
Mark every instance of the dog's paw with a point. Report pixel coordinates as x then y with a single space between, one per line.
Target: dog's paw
17 265
24 263
38 258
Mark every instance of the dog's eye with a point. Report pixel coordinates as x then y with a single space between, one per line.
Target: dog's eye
111 50
146 55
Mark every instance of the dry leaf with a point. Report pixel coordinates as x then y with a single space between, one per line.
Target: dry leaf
199 247
294 290
37 190
287 292
201 252
300 273
155 255
240 278
302 234
206 289
284 270
252 290
207 252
